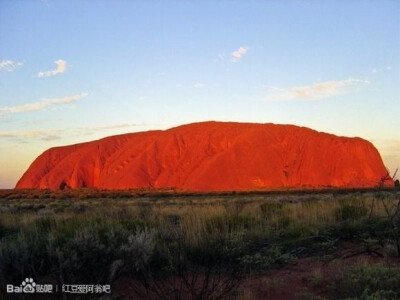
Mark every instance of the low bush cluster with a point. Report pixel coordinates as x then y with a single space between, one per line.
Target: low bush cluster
367 281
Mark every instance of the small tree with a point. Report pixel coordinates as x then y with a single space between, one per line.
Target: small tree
386 178
392 210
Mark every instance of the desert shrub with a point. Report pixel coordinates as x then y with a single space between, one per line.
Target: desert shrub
350 212
224 249
146 212
304 294
138 249
3 231
365 281
75 250
266 258
378 295
206 271
133 224
23 255
296 231
174 219
44 224
347 230
284 222
271 209
228 223
26 207
81 208
368 228
234 207
100 253
83 256
6 230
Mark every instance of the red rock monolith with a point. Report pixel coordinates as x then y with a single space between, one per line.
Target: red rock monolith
211 156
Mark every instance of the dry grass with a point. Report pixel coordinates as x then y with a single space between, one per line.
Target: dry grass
254 230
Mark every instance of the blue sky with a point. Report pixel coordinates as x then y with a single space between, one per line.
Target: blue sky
73 71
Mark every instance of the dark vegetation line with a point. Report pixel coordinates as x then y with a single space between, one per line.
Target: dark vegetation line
148 192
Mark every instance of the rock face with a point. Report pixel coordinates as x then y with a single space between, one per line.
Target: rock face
211 156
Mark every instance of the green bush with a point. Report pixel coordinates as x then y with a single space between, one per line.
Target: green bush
378 295
6 230
271 209
297 231
366 280
228 223
350 212
23 255
75 251
266 258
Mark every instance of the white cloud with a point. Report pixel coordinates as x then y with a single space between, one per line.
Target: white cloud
43 103
315 91
61 68
24 136
12 134
82 131
220 57
381 69
9 65
198 85
56 134
238 54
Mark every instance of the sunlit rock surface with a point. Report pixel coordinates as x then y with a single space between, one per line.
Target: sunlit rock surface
211 156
